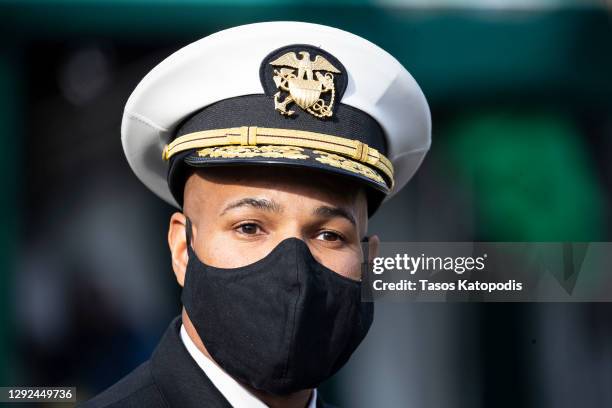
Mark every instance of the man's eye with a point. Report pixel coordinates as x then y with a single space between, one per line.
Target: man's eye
248 229
329 236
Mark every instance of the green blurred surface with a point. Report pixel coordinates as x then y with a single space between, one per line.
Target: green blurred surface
531 177
456 55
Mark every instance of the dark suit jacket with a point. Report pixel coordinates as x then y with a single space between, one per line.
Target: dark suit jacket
171 378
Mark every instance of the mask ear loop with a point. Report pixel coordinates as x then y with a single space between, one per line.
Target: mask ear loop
365 249
366 255
188 231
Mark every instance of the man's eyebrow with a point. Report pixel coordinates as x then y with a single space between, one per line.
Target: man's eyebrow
258 203
330 212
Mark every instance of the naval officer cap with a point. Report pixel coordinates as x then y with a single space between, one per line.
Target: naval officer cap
278 94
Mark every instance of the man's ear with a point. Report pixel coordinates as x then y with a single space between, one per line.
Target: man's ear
177 241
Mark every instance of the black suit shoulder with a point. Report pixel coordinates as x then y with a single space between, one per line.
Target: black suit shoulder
137 389
170 379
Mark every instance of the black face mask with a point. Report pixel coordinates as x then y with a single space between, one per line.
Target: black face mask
282 324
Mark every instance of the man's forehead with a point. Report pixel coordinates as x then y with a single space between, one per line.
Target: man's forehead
294 181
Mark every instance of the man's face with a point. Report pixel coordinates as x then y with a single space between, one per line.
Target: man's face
241 214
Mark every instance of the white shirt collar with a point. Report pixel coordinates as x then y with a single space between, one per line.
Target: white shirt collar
232 390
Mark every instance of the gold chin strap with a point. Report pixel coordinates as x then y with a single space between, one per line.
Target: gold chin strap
253 135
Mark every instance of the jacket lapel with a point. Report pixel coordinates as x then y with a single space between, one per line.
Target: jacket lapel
181 381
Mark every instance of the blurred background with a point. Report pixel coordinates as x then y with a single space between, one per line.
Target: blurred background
521 99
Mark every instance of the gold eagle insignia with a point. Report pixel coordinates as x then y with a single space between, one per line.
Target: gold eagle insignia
305 88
